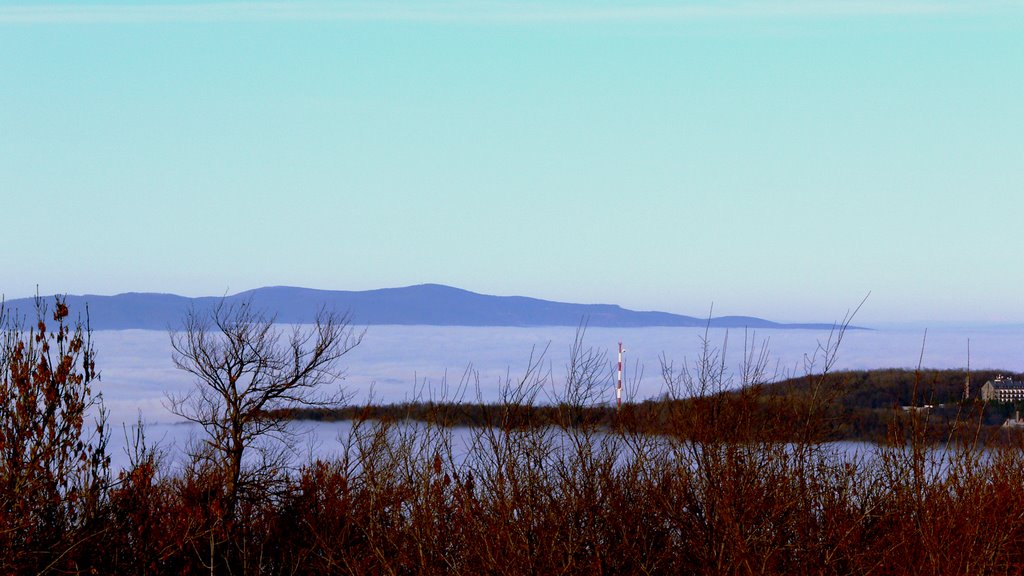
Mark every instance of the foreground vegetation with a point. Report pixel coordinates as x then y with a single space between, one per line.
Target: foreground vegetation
725 486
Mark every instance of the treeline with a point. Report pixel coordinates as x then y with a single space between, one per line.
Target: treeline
715 493
861 405
867 402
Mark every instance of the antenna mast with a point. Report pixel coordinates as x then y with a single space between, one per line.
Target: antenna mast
618 384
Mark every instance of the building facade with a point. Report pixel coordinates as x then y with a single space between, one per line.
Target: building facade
1003 390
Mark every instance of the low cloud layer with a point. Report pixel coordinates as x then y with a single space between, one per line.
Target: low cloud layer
401 363
398 363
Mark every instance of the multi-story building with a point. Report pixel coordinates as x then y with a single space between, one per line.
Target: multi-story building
1003 390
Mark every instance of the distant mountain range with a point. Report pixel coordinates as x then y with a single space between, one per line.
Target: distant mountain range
424 304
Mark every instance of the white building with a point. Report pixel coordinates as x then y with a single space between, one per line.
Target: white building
1003 390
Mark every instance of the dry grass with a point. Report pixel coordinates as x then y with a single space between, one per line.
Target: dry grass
717 492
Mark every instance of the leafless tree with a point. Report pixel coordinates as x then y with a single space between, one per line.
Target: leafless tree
245 367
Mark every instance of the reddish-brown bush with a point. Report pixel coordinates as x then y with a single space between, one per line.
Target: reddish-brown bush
53 465
723 487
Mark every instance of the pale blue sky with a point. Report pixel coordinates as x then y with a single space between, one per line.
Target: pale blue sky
777 158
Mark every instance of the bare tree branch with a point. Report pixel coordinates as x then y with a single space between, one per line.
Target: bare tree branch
246 367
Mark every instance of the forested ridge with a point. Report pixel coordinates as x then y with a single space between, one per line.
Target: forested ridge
862 405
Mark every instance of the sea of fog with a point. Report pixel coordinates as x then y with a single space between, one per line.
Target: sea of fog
398 363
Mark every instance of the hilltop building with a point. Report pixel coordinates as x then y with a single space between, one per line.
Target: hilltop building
1003 390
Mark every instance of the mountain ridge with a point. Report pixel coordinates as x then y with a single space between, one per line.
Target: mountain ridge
421 304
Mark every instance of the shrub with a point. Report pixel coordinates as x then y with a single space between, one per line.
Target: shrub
53 465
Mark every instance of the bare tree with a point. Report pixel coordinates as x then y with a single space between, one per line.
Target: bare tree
245 368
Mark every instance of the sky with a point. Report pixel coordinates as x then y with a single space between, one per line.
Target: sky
778 158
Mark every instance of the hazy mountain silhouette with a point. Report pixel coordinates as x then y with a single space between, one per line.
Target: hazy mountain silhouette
424 304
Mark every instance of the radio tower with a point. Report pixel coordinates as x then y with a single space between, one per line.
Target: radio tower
618 384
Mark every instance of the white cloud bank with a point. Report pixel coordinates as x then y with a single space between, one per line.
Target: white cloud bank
137 371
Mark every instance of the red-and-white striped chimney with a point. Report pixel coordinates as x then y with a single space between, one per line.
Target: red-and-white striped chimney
618 384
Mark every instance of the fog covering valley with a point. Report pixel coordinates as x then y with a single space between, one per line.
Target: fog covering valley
406 363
